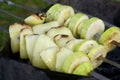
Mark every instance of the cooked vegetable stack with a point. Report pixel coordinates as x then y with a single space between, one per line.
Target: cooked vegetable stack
64 41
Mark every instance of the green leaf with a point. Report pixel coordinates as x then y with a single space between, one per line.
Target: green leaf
4 38
1 41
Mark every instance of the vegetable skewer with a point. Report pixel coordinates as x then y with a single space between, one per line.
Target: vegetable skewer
11 15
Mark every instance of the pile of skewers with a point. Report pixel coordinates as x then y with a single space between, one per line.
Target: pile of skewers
64 41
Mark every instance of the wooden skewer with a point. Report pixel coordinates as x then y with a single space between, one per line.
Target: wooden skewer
116 43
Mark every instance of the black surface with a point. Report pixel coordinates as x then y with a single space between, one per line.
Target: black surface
13 70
